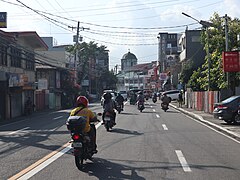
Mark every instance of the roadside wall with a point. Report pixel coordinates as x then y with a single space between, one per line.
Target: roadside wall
205 100
201 101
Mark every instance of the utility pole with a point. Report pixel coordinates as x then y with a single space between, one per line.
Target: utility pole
76 46
116 68
76 40
226 45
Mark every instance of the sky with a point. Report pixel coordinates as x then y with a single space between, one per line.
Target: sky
120 25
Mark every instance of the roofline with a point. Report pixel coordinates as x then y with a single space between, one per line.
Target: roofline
25 33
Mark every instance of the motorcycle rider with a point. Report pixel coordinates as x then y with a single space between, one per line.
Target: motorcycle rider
120 99
108 106
165 99
82 110
140 98
154 96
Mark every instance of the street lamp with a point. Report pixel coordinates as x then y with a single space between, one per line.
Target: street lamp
205 25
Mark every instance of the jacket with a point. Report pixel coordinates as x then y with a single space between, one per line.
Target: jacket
86 113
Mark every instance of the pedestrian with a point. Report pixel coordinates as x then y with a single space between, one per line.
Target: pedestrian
28 107
180 99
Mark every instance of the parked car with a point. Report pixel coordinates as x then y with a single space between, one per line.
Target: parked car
227 110
172 94
124 94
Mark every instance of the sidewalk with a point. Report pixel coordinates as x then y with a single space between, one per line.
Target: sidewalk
208 119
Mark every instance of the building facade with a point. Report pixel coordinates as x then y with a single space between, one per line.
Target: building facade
192 48
17 62
128 60
168 60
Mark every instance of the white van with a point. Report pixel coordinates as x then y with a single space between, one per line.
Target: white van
172 94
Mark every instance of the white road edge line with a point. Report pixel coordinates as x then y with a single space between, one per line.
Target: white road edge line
44 164
14 132
58 117
49 161
164 127
183 161
208 126
157 116
235 140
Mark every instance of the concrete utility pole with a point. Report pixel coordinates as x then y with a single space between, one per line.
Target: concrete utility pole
76 40
76 46
116 68
226 45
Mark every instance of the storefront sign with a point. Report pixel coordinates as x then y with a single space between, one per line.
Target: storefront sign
231 61
42 84
15 80
163 76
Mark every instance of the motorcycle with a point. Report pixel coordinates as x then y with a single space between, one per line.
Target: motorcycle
164 106
81 141
108 120
118 107
154 99
140 106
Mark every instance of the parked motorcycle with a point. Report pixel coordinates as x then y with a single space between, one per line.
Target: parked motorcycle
81 141
140 105
108 121
164 106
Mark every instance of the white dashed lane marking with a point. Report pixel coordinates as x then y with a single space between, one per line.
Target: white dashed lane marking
164 127
183 161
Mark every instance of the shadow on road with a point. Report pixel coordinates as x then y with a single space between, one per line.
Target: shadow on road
115 169
125 131
126 113
104 169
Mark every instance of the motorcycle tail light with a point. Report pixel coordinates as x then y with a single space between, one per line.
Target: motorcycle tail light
107 114
76 136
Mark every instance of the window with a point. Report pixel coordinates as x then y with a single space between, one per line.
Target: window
29 61
3 55
195 38
15 57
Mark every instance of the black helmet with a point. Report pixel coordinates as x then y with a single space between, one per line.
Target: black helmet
107 95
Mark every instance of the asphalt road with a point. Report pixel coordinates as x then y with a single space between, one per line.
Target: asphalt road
150 145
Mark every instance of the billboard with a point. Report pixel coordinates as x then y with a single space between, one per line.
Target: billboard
3 19
231 61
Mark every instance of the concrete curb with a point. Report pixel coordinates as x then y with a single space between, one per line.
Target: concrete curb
214 126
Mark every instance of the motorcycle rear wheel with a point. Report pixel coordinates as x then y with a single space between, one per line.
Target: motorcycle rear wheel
107 126
79 161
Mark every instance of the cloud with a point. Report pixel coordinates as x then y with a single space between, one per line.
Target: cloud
231 7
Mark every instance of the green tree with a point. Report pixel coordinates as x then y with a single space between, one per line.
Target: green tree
217 44
87 53
186 72
195 82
